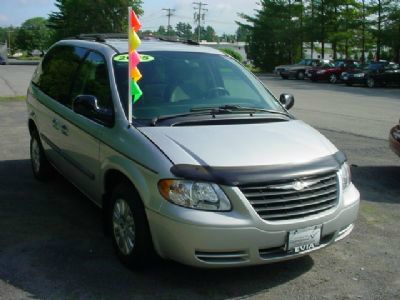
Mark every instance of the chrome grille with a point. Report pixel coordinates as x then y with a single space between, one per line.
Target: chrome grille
294 198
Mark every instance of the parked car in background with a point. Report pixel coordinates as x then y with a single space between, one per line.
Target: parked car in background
394 139
331 70
2 61
298 70
378 73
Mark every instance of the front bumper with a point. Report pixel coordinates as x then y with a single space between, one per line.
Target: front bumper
224 240
352 80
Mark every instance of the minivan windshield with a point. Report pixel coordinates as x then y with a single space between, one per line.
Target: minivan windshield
182 82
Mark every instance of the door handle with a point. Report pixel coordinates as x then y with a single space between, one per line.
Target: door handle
64 129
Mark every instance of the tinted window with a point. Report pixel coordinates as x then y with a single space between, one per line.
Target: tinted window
92 79
57 71
176 82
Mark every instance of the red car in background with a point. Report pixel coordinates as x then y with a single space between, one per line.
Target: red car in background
331 70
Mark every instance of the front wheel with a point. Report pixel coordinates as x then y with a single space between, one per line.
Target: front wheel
300 75
129 227
333 78
370 82
40 166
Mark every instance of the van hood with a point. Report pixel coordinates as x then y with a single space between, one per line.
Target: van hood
280 143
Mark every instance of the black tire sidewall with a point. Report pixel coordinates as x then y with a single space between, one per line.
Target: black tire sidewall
43 173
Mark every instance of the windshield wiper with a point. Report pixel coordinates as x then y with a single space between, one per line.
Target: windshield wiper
232 108
213 111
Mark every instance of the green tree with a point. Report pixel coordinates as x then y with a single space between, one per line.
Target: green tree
391 31
8 35
242 33
207 33
184 30
161 31
235 54
274 33
91 16
33 34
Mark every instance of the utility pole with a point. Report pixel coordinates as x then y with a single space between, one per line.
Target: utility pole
312 29
199 15
9 42
169 14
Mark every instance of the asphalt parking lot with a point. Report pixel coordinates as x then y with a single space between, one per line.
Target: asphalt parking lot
52 245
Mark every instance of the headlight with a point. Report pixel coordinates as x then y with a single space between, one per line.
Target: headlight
321 72
359 75
193 194
345 175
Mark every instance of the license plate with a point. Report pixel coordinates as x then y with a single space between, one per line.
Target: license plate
345 78
309 74
304 239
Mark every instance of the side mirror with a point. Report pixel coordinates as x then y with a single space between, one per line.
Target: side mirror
86 105
287 100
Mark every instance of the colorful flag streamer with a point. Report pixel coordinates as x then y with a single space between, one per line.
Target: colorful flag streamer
134 59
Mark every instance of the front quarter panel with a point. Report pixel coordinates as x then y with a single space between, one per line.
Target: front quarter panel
129 152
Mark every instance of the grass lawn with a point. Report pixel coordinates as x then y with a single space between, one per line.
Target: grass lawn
12 98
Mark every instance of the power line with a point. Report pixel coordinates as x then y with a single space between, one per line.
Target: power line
169 14
199 15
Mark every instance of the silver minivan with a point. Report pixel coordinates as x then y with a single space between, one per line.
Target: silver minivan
211 170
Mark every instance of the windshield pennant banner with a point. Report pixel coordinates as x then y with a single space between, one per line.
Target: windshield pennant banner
134 59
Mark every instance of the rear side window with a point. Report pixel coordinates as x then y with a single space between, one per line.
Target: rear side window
57 71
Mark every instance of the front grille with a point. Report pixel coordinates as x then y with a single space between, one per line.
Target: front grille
294 198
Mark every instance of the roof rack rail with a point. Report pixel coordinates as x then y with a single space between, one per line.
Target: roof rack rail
99 37
177 40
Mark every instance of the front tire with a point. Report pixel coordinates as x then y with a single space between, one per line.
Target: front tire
370 82
40 166
333 78
129 227
300 75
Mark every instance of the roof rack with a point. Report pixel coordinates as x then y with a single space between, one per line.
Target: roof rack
99 37
102 37
177 40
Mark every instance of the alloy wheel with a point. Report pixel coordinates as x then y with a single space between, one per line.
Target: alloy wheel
123 226
333 78
370 82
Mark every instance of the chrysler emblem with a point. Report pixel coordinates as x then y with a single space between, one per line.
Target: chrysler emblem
297 185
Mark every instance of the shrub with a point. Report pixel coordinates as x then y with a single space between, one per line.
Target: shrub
236 55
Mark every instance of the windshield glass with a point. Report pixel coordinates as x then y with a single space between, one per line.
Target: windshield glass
178 82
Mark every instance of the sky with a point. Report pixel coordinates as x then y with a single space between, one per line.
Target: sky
221 14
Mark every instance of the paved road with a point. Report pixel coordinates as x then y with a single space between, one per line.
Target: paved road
14 79
358 110
51 244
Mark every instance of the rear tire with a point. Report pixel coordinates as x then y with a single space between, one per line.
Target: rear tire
300 75
129 227
41 168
